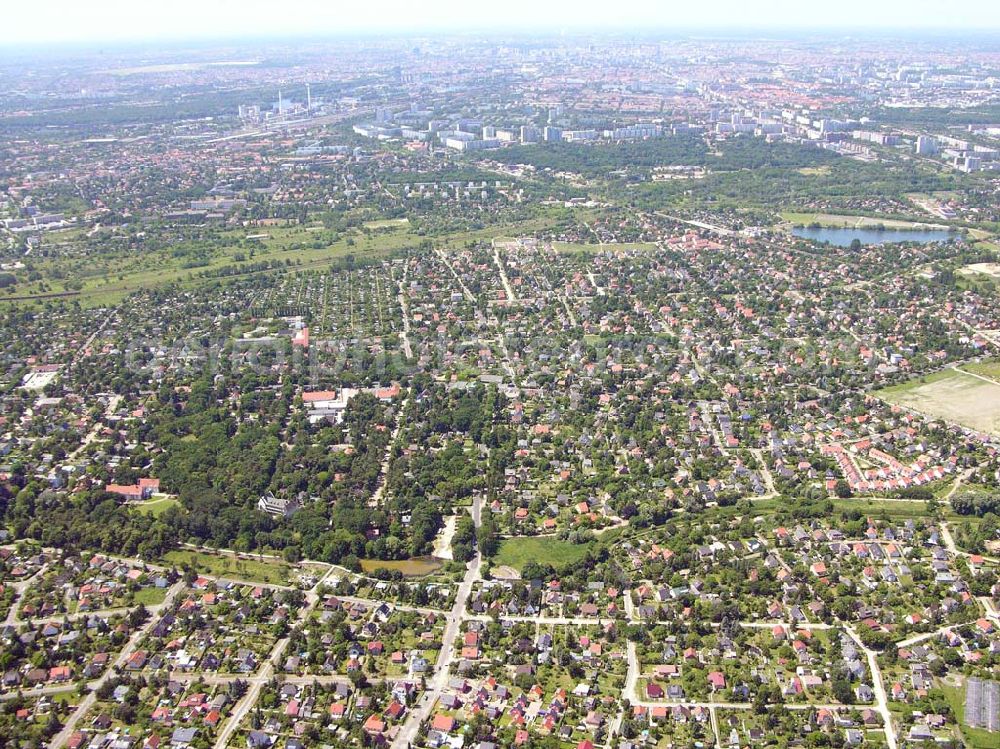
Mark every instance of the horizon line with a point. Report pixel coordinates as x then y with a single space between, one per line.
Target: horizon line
546 31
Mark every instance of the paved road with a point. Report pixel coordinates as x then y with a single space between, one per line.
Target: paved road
715 727
721 231
465 289
511 296
257 682
632 677
949 544
38 691
878 686
422 710
405 307
88 701
95 430
383 469
19 588
266 670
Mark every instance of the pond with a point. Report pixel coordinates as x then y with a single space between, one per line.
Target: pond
413 567
844 237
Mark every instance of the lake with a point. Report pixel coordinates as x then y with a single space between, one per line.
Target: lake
844 237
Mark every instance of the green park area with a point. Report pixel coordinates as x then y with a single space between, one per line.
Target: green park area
253 569
517 552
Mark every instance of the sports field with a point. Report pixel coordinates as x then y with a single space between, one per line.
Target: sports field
952 395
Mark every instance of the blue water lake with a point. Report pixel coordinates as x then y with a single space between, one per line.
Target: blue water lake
844 237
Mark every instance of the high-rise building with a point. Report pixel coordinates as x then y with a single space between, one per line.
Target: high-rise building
530 134
552 134
926 145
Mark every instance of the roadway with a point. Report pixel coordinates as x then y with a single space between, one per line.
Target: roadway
422 711
88 701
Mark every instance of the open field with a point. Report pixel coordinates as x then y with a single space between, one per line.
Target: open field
833 221
975 738
104 279
573 247
517 552
951 395
416 567
984 269
226 565
989 368
150 596
389 223
893 508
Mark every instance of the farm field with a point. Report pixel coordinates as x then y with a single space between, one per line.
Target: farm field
952 395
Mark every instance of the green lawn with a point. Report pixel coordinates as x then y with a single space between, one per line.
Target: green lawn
911 508
227 565
517 552
150 596
157 507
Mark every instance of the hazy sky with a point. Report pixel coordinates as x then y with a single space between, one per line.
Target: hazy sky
31 21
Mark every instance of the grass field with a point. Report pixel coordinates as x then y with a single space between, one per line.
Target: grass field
226 565
389 223
989 368
834 221
150 596
156 507
417 567
517 552
990 270
896 509
104 279
575 247
951 395
975 738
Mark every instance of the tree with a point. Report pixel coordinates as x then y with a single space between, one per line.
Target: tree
842 691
